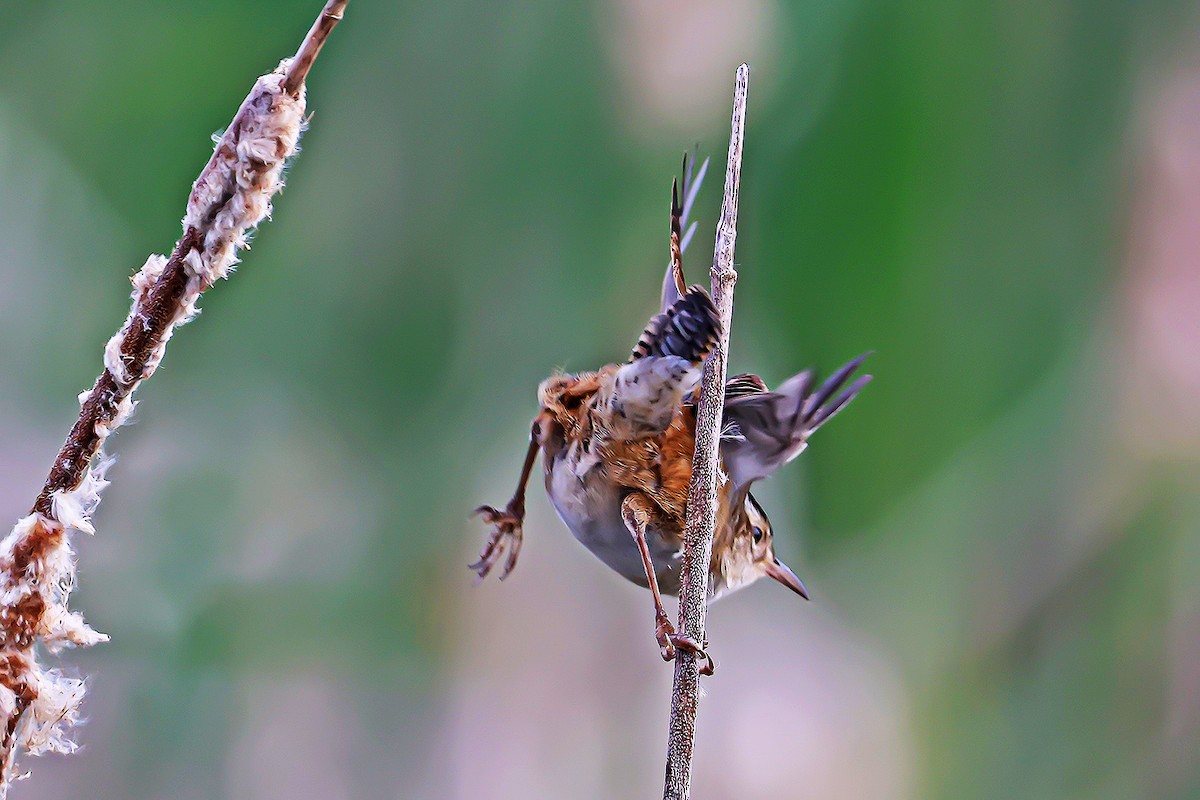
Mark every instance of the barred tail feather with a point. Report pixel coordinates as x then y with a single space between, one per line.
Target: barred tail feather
687 330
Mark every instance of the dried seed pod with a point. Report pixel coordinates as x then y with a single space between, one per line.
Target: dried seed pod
38 705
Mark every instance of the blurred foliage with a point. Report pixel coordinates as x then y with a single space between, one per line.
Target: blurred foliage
481 199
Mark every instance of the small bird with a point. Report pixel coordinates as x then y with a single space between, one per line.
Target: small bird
617 447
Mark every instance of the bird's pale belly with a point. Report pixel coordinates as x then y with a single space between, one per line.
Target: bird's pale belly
590 506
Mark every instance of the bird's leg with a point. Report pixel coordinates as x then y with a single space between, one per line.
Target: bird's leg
676 237
637 511
507 532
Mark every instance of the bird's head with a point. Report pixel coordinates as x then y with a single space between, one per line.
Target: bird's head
761 548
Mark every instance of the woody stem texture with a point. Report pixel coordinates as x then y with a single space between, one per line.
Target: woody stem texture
232 195
702 493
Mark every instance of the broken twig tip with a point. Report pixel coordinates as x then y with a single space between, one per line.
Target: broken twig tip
302 62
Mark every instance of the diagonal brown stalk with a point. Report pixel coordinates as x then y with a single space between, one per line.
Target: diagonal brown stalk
37 569
702 493
302 62
158 311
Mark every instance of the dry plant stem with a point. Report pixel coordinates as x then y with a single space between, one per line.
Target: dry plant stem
229 199
158 313
302 62
702 493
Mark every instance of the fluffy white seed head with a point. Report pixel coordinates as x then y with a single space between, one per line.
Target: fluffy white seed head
37 567
74 508
234 194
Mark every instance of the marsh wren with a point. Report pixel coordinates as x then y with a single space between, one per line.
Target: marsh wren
617 447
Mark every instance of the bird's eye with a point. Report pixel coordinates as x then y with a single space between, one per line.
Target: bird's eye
758 534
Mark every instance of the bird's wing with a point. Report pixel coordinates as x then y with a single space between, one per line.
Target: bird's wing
763 430
744 385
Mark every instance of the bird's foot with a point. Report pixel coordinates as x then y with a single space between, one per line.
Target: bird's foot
670 643
507 534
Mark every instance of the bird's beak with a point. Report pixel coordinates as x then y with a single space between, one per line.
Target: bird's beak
780 572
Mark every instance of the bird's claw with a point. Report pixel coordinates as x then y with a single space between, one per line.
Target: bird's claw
664 633
671 643
507 534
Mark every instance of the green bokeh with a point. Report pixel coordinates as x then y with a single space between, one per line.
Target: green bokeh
478 203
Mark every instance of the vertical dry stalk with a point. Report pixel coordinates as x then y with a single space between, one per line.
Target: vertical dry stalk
702 493
39 704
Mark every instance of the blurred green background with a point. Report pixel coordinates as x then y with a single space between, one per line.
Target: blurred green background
1000 199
